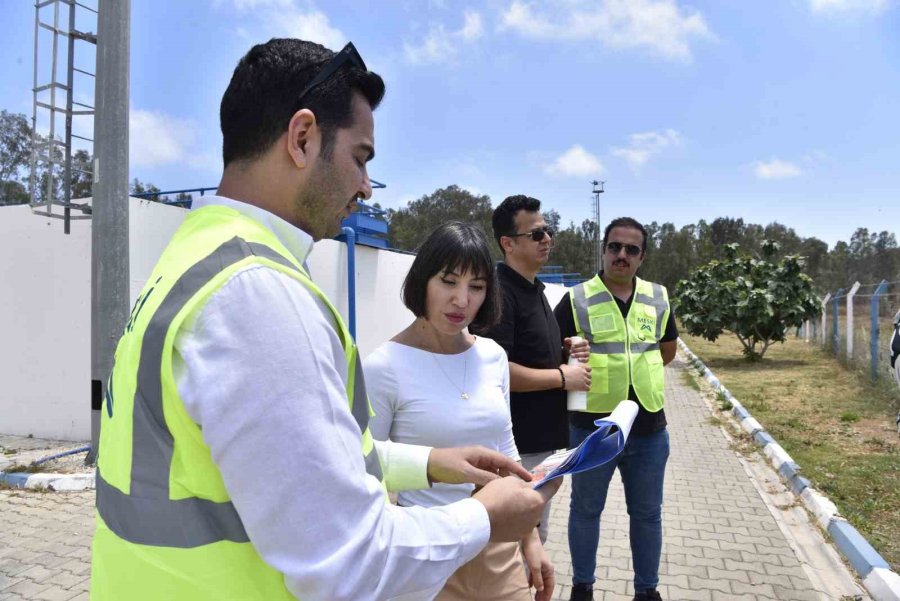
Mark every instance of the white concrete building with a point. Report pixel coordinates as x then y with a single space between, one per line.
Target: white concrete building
45 308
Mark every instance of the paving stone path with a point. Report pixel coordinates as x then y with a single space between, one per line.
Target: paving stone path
730 532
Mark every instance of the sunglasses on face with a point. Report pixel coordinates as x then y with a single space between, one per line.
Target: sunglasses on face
615 248
347 55
536 235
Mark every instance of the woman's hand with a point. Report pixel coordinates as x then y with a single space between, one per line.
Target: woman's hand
541 574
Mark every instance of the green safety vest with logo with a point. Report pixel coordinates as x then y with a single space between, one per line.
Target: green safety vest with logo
166 528
623 350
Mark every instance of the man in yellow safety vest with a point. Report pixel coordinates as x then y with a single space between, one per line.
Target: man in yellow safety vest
235 457
631 330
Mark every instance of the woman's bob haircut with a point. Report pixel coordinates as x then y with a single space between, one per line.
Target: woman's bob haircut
454 247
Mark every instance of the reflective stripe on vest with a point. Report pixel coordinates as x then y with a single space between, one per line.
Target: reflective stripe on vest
147 515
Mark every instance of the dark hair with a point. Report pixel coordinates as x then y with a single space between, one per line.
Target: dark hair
503 220
626 222
458 247
262 96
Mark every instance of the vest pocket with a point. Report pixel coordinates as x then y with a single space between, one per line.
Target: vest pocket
599 373
655 370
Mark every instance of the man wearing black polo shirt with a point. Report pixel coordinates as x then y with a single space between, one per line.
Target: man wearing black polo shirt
538 373
641 321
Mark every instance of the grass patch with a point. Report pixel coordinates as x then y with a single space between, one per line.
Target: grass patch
688 380
834 423
21 467
849 417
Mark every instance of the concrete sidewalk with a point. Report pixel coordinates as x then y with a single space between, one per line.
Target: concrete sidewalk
730 530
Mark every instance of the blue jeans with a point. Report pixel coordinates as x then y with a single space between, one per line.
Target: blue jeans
642 466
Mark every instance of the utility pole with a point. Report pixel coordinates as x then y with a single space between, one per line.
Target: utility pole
109 234
598 250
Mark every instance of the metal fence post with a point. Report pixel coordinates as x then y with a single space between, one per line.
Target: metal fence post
824 317
881 289
850 296
836 337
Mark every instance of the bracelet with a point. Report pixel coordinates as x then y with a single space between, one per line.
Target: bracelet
563 377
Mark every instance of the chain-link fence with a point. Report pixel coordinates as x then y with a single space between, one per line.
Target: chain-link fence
857 324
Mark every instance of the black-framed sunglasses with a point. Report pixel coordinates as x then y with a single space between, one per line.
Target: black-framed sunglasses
536 235
615 248
348 54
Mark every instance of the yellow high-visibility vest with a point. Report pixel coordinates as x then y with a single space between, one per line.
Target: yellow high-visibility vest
623 351
166 527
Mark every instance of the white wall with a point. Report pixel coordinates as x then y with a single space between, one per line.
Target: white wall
45 314
45 305
379 276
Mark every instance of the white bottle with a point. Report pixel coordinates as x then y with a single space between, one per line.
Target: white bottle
577 399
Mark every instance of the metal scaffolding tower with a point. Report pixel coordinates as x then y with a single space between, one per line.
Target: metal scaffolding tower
51 157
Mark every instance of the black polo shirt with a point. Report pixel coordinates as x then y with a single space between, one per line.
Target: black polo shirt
529 334
645 422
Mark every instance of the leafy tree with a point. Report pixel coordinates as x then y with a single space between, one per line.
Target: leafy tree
15 159
573 247
139 187
410 225
15 154
15 145
757 300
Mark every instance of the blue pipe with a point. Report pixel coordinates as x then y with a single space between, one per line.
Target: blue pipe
882 288
351 277
63 454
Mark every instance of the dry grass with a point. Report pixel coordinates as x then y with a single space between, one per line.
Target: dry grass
834 423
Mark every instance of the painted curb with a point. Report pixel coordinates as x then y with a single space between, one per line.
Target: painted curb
875 573
56 482
883 584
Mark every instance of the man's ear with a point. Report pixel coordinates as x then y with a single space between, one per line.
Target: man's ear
505 245
302 137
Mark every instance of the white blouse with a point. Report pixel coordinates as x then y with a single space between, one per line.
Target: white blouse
417 399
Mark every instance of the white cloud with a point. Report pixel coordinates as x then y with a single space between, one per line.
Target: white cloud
158 139
833 6
440 45
312 26
659 25
155 138
576 162
776 169
473 28
256 4
644 145
261 19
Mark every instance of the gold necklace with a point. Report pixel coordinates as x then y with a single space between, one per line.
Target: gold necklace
462 391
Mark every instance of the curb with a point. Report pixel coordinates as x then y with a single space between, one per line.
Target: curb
877 577
56 482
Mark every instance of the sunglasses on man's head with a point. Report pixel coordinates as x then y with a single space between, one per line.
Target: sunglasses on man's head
347 55
615 248
536 235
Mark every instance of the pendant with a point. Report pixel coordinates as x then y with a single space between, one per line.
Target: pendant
464 396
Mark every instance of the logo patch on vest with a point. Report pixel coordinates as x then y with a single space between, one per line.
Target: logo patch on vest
646 323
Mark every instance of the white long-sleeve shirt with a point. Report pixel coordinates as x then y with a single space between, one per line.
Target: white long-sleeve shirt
416 396
261 369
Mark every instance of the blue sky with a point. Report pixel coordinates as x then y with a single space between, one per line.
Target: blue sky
777 110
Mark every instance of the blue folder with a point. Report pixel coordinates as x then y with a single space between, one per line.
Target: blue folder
601 447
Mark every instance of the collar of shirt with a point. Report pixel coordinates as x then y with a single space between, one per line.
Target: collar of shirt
510 275
298 242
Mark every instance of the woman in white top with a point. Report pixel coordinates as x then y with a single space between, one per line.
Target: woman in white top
435 384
